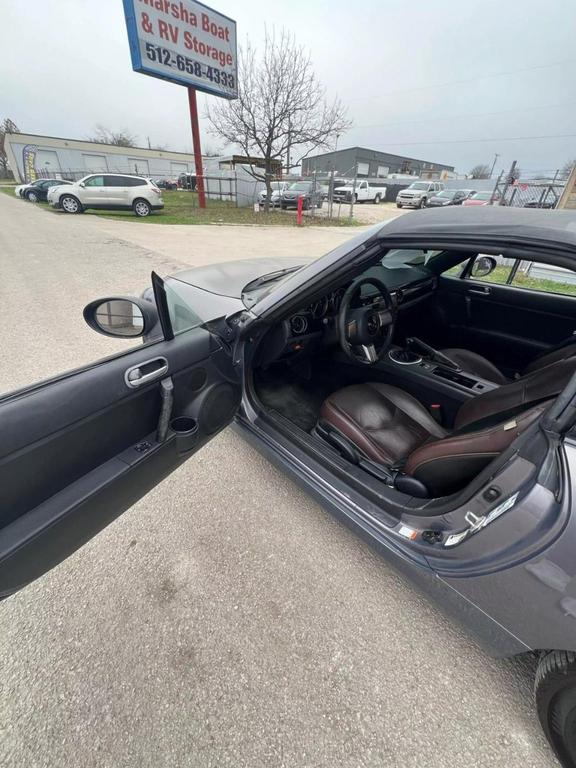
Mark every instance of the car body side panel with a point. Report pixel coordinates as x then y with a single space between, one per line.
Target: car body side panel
536 599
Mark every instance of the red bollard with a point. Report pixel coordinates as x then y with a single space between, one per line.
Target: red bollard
299 211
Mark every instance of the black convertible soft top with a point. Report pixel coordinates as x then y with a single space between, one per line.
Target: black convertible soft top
486 221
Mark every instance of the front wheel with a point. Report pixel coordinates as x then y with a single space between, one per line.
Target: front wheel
423 203
555 695
70 204
398 205
32 197
142 208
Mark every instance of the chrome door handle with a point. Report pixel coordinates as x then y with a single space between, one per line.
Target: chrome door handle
481 291
146 372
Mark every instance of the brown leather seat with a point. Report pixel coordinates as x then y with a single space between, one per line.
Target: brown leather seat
391 427
484 369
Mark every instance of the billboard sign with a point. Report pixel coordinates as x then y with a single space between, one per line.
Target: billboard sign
185 42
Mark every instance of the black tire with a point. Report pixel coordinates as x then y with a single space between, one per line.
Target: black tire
356 197
423 203
282 206
70 204
141 207
398 205
31 196
555 695
306 205
377 200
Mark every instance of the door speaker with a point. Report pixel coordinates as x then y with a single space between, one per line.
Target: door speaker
217 407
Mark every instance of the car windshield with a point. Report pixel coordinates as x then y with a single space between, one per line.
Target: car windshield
450 193
302 186
419 185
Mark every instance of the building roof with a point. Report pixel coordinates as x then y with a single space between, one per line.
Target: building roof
377 152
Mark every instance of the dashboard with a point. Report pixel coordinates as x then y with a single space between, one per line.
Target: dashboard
317 323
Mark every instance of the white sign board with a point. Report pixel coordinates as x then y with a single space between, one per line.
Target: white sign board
185 42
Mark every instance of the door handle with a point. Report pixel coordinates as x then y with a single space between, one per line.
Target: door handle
484 291
138 375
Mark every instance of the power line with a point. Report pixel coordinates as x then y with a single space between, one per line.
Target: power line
466 80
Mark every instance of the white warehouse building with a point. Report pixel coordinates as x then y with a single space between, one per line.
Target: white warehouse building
31 156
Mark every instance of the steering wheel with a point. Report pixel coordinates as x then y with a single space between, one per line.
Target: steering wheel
366 332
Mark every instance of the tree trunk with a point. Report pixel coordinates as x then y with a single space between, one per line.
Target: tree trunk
268 182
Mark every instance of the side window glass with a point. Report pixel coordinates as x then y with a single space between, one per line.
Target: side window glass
95 181
536 276
500 275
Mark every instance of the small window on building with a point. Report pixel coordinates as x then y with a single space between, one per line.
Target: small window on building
363 169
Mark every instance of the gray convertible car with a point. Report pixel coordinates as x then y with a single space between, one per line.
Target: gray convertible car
418 381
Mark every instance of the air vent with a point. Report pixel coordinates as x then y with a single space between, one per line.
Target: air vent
298 325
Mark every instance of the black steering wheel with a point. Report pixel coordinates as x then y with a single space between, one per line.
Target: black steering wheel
366 331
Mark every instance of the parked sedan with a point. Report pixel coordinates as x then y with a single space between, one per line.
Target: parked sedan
278 187
449 197
482 198
38 191
310 192
453 454
21 188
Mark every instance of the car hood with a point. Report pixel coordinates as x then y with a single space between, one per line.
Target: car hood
230 277
413 192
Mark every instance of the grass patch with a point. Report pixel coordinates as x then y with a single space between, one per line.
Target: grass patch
8 190
182 208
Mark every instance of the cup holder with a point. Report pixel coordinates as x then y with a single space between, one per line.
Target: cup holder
186 429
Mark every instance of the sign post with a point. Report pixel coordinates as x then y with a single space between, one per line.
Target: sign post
189 44
197 148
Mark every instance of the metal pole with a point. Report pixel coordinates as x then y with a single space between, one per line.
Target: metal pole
495 187
353 191
197 148
510 175
496 156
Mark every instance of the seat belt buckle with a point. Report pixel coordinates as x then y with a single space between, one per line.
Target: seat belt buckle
436 412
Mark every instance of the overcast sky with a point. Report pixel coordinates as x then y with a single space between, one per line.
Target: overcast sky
452 81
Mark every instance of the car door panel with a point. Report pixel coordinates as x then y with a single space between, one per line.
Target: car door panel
508 325
77 451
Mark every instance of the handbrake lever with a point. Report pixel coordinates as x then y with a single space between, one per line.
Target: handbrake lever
427 351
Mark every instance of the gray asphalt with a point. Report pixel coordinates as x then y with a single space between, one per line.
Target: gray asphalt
226 619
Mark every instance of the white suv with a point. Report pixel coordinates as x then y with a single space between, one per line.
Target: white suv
417 194
110 192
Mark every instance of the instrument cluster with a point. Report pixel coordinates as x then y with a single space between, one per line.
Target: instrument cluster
308 319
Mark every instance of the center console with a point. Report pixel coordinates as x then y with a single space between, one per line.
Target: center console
431 377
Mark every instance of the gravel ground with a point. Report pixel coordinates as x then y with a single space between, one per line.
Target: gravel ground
226 619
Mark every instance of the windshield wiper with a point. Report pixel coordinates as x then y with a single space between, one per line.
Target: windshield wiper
269 278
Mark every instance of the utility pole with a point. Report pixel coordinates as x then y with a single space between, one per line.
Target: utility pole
496 156
496 187
288 149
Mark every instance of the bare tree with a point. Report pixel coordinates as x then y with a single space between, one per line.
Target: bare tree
122 138
281 112
566 169
480 171
6 126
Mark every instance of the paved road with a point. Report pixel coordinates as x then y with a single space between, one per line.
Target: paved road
226 619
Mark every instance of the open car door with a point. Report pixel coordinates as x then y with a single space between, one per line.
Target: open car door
76 451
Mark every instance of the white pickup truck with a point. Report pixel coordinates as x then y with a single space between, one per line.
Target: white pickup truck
364 191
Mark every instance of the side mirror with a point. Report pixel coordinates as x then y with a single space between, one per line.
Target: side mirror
483 266
121 316
81 184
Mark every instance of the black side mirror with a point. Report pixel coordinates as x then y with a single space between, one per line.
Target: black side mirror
121 316
483 266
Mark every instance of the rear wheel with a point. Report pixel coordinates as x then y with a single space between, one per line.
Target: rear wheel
32 197
142 208
555 694
377 199
70 204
